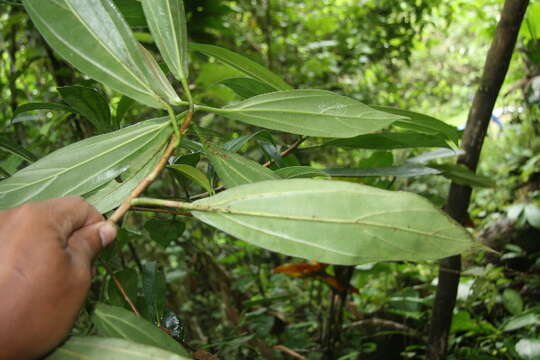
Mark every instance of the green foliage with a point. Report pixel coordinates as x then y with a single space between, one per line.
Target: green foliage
96 348
421 55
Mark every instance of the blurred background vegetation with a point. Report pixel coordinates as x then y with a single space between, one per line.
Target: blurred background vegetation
223 295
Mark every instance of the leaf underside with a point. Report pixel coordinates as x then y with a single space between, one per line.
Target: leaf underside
334 222
101 168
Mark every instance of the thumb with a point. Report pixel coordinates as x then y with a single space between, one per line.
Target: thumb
88 241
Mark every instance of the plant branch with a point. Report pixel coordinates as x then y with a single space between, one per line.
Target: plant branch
120 287
124 207
162 211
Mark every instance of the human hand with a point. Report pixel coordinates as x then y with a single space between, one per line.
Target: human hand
46 253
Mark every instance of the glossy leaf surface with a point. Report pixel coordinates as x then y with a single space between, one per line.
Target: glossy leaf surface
117 322
234 169
97 348
89 103
334 222
242 64
93 37
309 112
167 22
97 168
194 174
389 141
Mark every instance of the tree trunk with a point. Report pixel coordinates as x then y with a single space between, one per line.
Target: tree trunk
495 68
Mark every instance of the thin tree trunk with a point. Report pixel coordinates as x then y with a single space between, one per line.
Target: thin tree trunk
495 68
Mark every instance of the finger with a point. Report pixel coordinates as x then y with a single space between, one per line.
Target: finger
70 214
88 241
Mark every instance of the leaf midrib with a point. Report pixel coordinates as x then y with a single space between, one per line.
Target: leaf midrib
157 128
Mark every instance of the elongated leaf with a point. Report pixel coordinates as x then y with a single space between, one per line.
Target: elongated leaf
194 174
246 87
41 106
334 222
242 64
4 173
234 169
309 112
89 103
117 322
109 161
421 122
17 151
96 348
436 154
113 193
389 141
95 38
167 22
154 290
463 176
407 170
294 172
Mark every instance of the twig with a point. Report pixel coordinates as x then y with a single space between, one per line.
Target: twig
120 287
290 352
285 152
121 211
162 211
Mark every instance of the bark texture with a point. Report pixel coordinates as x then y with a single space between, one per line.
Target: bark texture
495 69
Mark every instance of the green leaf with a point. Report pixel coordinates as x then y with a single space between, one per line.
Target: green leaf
131 11
101 168
154 290
164 231
512 301
308 112
167 22
194 174
117 322
532 214
123 107
89 103
436 154
242 64
462 175
334 222
294 172
130 282
521 321
17 150
40 106
389 141
528 349
236 144
246 87
407 170
421 122
97 348
235 170
94 38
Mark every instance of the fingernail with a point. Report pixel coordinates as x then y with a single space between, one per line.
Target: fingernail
107 233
